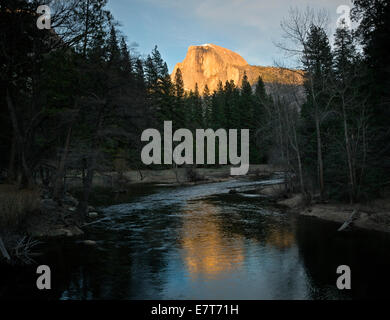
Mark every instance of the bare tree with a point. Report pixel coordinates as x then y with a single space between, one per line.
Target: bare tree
296 32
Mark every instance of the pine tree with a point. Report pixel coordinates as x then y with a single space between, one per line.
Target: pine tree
180 115
317 60
235 108
348 106
229 101
92 18
246 104
218 117
197 111
166 96
207 106
151 75
127 63
160 88
179 84
114 54
345 54
261 102
140 75
373 33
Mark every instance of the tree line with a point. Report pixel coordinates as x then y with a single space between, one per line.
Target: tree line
337 139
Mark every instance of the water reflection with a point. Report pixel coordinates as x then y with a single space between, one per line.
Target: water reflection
202 243
280 238
206 251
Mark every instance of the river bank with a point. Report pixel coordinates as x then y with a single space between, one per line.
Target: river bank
173 176
370 217
374 215
33 214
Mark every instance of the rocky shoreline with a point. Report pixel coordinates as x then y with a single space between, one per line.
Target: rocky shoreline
53 220
373 216
367 218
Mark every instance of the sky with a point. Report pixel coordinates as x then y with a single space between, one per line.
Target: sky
249 27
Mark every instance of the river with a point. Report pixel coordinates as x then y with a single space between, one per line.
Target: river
200 242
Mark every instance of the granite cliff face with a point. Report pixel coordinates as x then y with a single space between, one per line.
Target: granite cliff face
209 64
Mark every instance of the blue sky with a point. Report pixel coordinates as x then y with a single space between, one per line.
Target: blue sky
248 27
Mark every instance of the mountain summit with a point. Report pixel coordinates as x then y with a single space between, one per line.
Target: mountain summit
209 64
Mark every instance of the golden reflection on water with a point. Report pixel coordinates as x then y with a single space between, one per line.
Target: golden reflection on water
280 238
208 253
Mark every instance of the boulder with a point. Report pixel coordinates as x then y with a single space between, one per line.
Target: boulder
49 204
70 201
56 232
295 201
89 243
274 190
93 214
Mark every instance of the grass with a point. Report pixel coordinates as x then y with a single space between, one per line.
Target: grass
16 204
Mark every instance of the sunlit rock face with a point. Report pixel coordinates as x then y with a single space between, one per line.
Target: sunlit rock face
209 64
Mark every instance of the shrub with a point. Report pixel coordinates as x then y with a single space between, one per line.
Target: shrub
16 204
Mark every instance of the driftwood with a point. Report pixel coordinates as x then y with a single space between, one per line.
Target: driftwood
23 249
3 250
351 218
95 222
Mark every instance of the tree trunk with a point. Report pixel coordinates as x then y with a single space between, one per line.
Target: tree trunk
319 156
58 184
86 29
27 178
91 165
3 250
298 151
11 176
350 220
349 158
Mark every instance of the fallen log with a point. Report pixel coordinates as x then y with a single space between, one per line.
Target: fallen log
94 222
3 250
349 221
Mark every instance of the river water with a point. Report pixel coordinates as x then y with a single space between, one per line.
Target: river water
200 242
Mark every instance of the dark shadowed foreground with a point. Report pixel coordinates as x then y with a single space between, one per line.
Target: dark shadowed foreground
200 242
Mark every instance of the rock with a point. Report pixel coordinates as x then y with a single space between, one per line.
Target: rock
93 214
209 64
49 204
89 243
91 209
274 190
56 232
327 212
70 201
73 232
340 213
295 201
72 209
